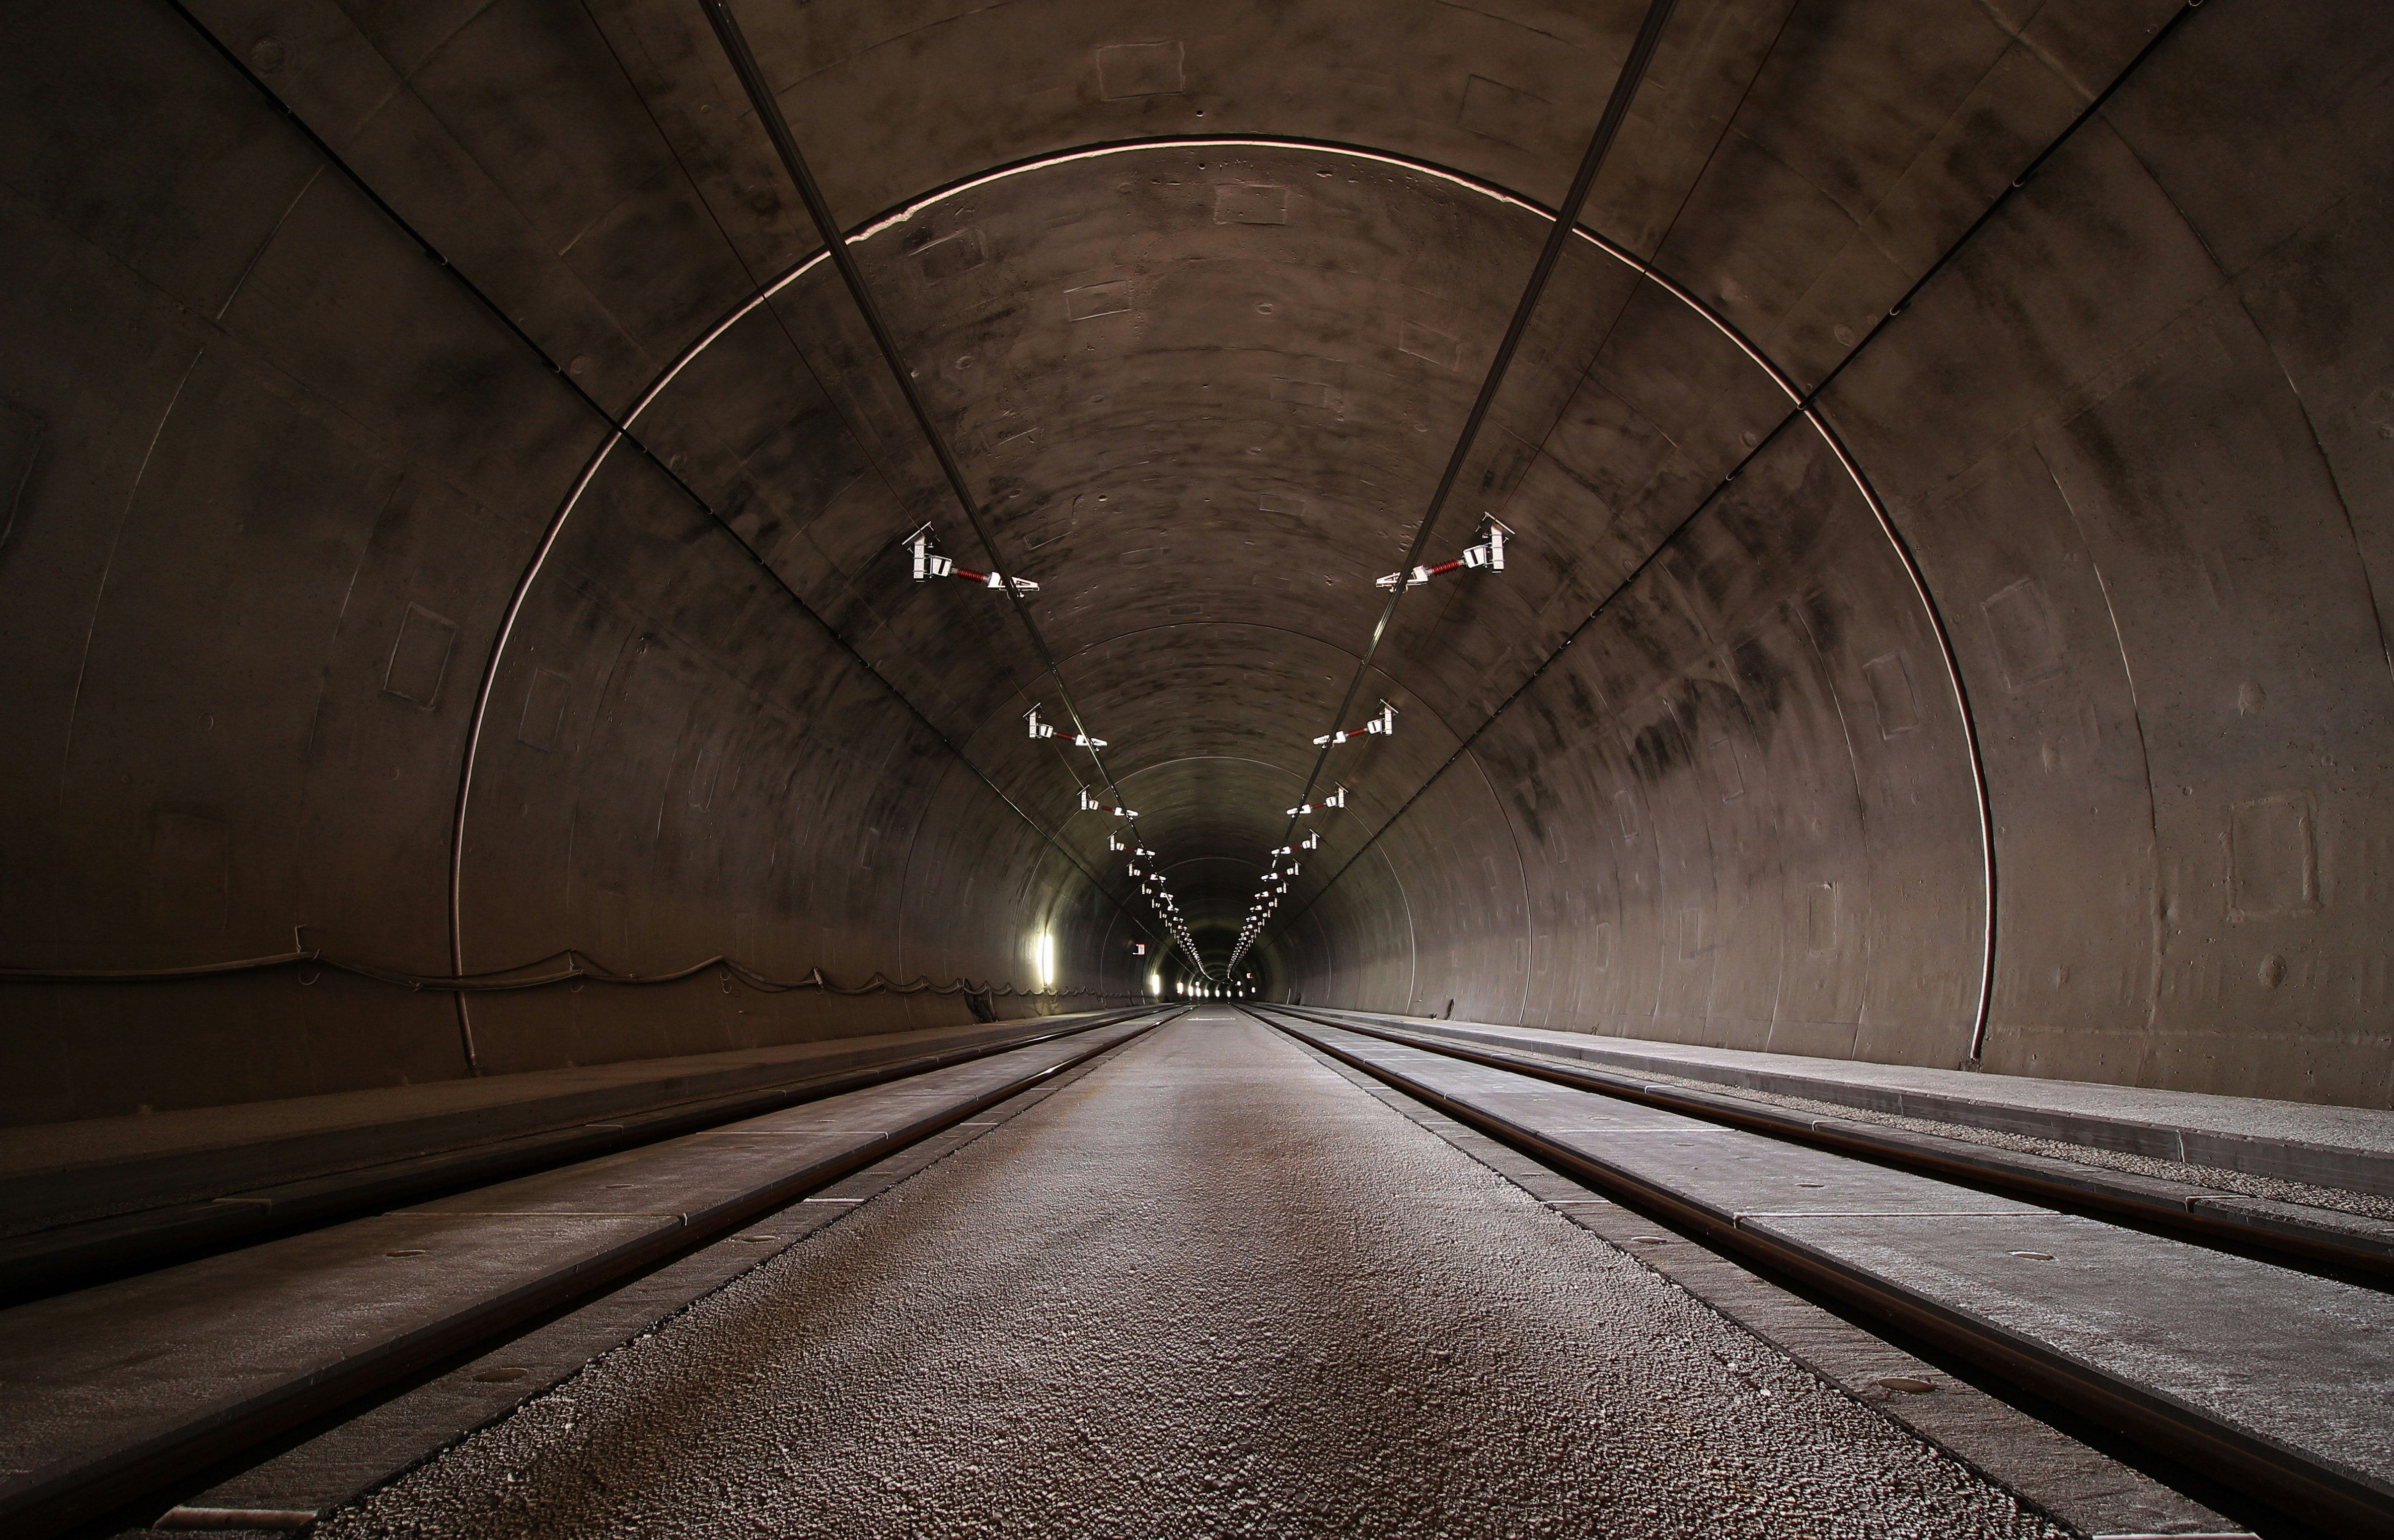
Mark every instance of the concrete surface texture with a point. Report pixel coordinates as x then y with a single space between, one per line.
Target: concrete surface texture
51 1173
2239 1341
2181 1124
2026 691
1212 1288
97 1377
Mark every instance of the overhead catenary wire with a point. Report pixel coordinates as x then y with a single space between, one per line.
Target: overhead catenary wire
1608 127
1806 408
760 96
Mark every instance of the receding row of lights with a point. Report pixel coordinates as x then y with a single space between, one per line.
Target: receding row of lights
1487 554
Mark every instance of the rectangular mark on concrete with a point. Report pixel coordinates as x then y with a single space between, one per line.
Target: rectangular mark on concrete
1097 299
702 773
419 656
1300 392
1726 770
2028 641
1890 688
1820 917
1243 204
2272 857
544 710
1500 112
1281 502
1429 344
951 254
1126 70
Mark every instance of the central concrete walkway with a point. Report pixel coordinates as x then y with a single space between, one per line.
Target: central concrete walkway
1210 1289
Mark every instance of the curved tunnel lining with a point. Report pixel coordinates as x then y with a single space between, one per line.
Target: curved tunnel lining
1804 406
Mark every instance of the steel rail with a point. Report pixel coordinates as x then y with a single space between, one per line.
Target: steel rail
2142 1203
46 1501
2277 1474
1566 223
78 1255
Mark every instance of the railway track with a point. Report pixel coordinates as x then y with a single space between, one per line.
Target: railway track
128 1387
2261 1355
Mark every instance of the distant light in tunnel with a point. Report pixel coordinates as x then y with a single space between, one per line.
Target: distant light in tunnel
1044 950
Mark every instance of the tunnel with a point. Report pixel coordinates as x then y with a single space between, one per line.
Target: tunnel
617 538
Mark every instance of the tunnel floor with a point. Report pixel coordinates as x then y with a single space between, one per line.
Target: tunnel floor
1210 1288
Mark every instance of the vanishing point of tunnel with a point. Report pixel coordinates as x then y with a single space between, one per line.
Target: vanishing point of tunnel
854 768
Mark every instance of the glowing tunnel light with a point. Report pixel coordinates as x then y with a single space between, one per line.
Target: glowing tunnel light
928 564
1385 723
1335 799
1488 553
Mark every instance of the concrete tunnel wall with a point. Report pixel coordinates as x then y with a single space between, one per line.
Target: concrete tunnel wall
307 546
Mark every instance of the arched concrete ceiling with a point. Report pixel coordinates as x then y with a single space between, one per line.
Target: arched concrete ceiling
2004 678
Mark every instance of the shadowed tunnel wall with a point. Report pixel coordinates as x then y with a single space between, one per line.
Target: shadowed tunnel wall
2007 673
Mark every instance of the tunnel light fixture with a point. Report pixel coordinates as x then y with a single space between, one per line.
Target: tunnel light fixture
1384 724
1488 554
922 549
1045 951
1048 730
1335 799
928 563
